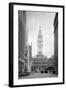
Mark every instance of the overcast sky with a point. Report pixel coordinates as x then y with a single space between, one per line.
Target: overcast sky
45 20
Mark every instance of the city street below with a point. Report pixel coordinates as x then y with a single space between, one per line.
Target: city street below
38 75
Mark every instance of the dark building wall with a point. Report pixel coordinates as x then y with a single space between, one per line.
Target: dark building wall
56 41
21 32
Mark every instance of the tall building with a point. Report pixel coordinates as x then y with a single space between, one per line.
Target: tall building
24 49
21 33
21 40
38 63
56 41
40 44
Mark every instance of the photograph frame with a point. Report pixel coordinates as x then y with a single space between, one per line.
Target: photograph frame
11 42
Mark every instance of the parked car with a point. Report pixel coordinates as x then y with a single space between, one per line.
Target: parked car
37 71
50 70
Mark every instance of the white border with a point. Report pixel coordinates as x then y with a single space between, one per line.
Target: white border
60 45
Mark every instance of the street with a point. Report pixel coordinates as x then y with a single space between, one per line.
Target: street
39 75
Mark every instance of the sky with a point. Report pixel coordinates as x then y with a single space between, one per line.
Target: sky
45 20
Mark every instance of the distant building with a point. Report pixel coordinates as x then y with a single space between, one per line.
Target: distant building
41 63
38 63
30 52
29 57
40 44
56 41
